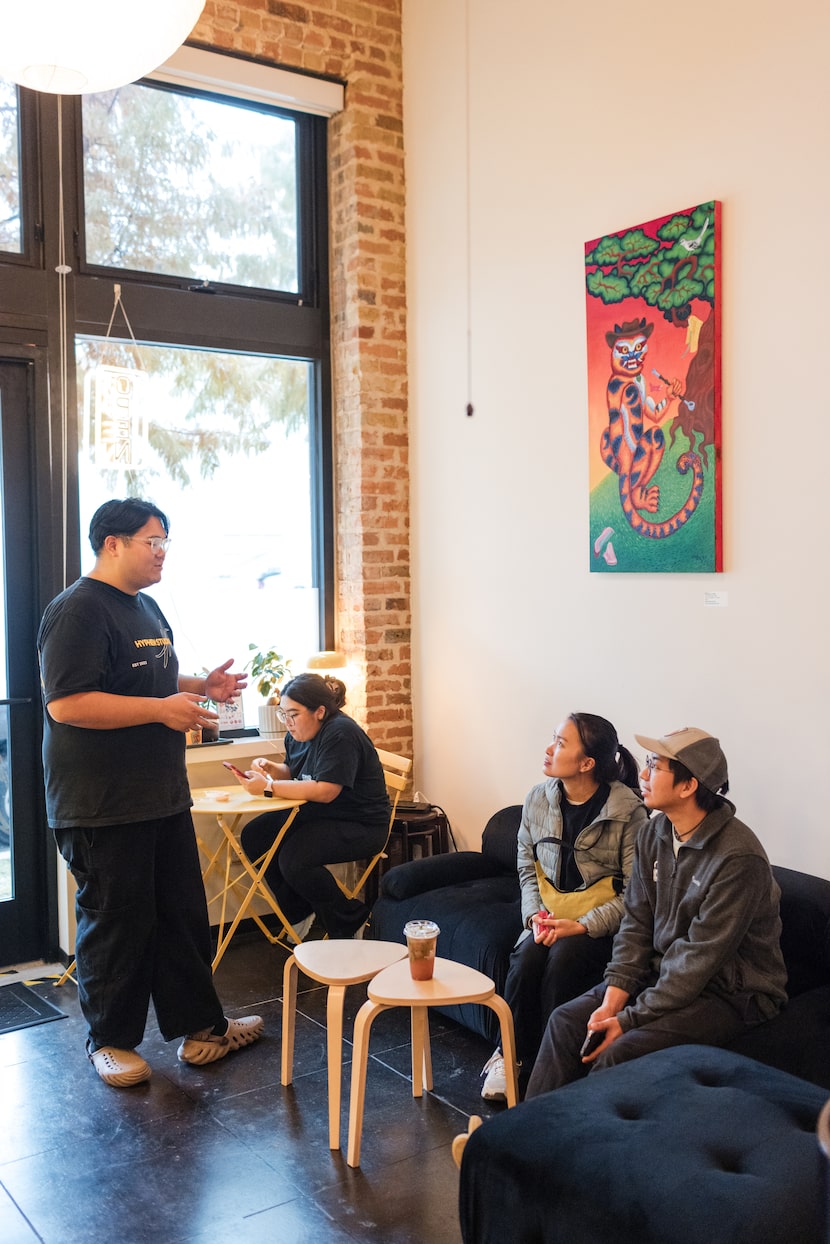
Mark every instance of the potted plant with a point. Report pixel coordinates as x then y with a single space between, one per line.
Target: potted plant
268 668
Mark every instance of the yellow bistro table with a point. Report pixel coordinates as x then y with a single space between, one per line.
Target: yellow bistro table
237 874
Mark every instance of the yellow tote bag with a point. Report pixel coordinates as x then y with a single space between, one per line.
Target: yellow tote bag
571 904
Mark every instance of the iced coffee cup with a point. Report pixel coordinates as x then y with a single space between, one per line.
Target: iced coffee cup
421 937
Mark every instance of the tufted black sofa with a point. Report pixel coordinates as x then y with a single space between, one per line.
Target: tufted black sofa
690 1145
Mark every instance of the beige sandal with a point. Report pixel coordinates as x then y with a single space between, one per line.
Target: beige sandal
461 1140
206 1047
119 1068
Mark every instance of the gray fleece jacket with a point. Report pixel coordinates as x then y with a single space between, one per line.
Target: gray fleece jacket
605 848
704 922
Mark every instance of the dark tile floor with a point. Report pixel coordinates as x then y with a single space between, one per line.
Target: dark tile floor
224 1154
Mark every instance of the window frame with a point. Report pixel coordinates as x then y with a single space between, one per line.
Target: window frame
307 240
31 253
233 318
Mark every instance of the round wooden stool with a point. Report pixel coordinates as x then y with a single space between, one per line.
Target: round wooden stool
452 983
336 963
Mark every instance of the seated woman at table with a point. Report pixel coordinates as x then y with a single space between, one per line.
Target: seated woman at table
578 828
332 764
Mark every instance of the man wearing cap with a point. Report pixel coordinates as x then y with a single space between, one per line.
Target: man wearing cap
697 958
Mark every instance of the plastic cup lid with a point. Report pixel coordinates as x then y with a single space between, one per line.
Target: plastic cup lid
421 928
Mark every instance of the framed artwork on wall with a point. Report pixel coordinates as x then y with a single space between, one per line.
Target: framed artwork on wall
652 297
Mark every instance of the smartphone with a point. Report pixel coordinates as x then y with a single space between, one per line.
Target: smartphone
591 1042
233 769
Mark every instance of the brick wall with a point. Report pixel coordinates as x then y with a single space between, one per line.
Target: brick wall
358 41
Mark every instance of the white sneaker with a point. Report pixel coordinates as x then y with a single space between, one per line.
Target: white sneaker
495 1081
303 927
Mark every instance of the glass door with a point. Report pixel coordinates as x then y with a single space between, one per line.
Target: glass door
23 839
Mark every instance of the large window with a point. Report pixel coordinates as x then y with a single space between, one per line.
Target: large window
189 339
220 203
221 443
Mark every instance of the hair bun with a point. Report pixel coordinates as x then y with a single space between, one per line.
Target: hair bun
337 688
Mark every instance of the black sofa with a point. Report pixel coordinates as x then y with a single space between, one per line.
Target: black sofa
474 898
689 1145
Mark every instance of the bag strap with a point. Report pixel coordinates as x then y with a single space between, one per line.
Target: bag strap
617 874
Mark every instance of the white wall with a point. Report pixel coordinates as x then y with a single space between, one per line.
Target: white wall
585 119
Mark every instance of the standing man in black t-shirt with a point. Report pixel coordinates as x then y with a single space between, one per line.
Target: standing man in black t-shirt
118 800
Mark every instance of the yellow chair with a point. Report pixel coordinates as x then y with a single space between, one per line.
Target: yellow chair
69 975
396 774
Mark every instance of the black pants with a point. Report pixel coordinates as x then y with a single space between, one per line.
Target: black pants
708 1020
297 876
143 930
540 978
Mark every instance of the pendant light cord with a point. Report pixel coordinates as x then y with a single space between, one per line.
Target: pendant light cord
468 179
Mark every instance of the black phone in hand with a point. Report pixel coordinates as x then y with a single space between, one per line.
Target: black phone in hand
591 1042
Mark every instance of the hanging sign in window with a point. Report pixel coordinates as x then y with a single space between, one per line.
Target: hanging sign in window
115 416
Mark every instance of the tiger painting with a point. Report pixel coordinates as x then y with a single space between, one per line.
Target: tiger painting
634 452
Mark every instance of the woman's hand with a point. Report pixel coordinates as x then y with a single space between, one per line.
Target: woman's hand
254 783
547 929
270 769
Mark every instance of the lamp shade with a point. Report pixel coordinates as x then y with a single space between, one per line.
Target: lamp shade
326 663
76 47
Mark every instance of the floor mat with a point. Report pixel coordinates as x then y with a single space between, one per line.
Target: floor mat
21 1007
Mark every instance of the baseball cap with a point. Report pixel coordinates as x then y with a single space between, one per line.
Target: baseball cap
698 751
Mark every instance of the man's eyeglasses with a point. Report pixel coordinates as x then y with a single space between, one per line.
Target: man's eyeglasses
156 543
652 765
288 715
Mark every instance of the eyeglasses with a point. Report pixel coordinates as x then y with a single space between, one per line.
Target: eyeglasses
156 543
288 715
652 765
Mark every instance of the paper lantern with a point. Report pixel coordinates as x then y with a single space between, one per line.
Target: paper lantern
75 47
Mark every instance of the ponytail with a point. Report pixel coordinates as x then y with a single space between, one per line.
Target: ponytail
628 769
613 762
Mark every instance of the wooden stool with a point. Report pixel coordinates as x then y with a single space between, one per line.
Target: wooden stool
427 832
336 963
452 983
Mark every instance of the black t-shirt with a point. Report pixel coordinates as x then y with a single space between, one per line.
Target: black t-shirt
94 637
344 754
575 817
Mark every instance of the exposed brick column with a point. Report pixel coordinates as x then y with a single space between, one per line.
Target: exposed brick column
358 41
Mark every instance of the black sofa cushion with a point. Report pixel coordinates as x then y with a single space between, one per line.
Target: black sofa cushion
499 842
690 1145
797 1040
805 934
436 872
